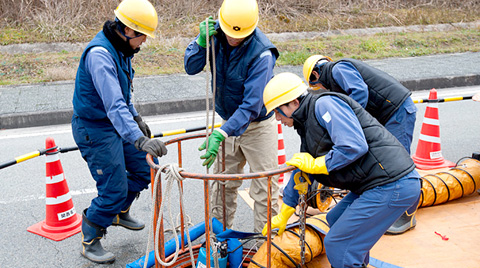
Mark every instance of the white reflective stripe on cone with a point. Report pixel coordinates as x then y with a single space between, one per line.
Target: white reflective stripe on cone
429 138
52 158
430 121
58 200
55 179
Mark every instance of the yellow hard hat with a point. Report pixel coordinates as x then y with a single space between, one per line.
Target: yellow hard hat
238 18
310 64
139 15
282 88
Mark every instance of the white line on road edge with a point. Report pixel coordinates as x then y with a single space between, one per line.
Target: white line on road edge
32 197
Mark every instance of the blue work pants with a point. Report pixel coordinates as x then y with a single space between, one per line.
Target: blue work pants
402 123
357 222
119 169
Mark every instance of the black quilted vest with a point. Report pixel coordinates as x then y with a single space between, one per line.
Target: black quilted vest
386 160
385 93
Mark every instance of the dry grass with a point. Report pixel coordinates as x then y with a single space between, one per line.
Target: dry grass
31 21
79 20
156 58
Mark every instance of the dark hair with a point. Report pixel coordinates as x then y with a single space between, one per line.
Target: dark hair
312 76
120 26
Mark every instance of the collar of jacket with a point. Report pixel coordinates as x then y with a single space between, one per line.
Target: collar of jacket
112 34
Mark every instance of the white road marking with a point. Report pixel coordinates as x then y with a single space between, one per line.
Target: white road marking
42 197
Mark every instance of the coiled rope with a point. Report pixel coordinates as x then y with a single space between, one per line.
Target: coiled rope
172 174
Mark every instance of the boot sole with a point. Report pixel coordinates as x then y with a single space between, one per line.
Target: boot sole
399 232
128 227
98 261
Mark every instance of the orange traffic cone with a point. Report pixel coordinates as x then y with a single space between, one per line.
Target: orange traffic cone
61 220
281 152
429 152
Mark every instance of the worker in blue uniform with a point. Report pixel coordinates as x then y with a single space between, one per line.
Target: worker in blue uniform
343 146
244 59
380 94
112 137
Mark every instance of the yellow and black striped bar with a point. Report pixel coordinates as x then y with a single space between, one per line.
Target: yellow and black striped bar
22 158
182 130
39 152
444 99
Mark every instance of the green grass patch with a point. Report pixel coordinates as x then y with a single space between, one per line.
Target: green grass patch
158 57
380 46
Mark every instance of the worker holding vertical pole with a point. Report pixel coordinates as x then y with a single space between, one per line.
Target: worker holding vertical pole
244 60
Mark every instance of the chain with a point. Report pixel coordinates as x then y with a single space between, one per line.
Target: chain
302 220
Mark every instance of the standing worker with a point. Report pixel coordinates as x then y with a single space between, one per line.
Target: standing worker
244 59
380 94
110 134
343 146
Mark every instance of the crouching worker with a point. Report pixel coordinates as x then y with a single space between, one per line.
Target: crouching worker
380 94
110 134
344 147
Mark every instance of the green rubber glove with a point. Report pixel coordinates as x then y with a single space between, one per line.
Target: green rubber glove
202 38
305 162
214 141
280 221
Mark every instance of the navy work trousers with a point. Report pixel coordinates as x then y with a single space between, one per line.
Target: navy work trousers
358 221
119 169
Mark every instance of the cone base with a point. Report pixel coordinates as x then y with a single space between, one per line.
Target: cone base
57 233
427 164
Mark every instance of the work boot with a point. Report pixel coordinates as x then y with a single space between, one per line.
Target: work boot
124 219
91 247
403 224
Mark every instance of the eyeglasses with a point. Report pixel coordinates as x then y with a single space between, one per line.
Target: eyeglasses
138 34
281 112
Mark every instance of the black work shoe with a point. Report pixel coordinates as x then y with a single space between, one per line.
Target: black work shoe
125 220
91 247
403 224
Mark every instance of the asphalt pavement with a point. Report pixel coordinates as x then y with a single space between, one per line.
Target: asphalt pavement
51 103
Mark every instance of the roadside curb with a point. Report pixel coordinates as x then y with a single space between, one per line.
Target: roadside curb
34 119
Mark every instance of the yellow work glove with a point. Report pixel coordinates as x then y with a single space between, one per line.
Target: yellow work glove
280 221
305 162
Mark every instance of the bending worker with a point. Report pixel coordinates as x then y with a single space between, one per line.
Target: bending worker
379 93
343 146
110 134
244 59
